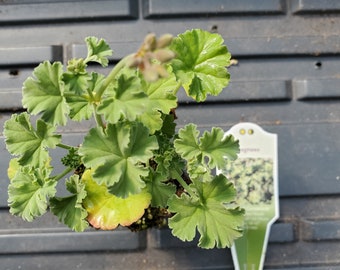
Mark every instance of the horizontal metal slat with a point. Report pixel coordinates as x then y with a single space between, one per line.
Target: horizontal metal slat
285 68
29 55
300 45
308 159
315 6
67 10
320 230
11 81
313 89
282 233
248 91
10 99
54 241
175 8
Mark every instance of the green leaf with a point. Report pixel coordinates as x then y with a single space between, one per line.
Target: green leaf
159 190
200 63
198 170
169 125
69 209
98 50
29 191
76 83
76 77
151 119
118 156
82 105
106 211
161 98
31 145
187 145
217 224
166 157
162 93
213 145
44 93
126 102
216 146
72 159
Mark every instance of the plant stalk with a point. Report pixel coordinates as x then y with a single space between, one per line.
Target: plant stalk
112 75
179 178
62 174
65 146
105 85
98 118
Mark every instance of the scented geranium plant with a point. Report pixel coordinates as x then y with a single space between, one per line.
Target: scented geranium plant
134 168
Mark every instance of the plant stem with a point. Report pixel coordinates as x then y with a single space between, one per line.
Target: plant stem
89 92
98 118
112 75
179 178
65 146
104 86
62 174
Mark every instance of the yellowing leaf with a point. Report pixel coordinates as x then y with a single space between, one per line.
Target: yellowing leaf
106 211
13 168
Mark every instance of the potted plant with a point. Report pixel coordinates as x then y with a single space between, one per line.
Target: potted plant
134 168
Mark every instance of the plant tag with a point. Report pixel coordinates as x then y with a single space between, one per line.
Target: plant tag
255 175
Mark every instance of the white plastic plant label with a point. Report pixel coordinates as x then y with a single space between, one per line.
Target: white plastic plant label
255 175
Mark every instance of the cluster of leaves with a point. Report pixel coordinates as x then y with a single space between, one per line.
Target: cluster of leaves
253 178
133 159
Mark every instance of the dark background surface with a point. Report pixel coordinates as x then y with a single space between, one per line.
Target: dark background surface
287 79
